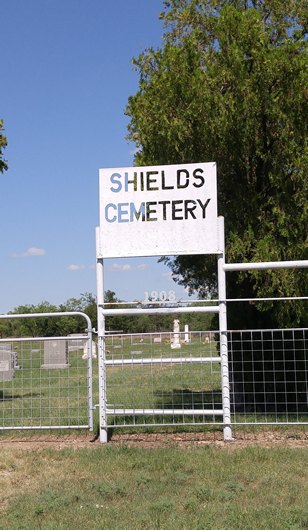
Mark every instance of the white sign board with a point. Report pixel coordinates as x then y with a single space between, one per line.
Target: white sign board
158 210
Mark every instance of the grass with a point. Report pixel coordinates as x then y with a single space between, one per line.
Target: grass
159 488
133 488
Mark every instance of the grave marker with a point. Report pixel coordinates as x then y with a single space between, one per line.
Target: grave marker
8 347
187 334
85 350
176 343
55 354
7 371
78 342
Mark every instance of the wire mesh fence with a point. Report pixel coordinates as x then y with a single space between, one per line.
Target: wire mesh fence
268 374
151 384
152 381
46 382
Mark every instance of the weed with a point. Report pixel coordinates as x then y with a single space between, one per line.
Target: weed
107 490
204 493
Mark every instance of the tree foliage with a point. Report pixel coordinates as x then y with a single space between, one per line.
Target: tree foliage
86 303
3 144
50 326
230 85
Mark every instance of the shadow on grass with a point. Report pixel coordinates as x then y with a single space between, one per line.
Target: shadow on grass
176 400
11 397
184 398
268 371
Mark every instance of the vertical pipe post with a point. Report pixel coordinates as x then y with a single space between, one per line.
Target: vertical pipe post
90 376
101 346
223 329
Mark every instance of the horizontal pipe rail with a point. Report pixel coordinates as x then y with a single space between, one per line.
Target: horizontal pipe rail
159 310
212 301
165 412
269 299
56 314
43 427
159 360
37 339
266 265
277 423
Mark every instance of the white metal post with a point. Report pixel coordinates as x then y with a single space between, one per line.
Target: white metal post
222 295
90 376
101 347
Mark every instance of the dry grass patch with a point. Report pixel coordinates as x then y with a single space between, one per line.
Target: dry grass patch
122 487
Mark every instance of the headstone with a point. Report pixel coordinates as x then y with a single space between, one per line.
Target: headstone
157 340
78 341
15 363
187 334
6 346
55 354
175 342
85 351
7 371
207 338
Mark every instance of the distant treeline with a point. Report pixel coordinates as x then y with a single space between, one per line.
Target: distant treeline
86 303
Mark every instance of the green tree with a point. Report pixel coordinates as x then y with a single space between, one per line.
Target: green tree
3 144
34 327
123 323
50 326
230 85
86 303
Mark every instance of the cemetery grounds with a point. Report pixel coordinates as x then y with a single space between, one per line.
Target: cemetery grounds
168 477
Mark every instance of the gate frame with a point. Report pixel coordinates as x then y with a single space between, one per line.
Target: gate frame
89 330
221 309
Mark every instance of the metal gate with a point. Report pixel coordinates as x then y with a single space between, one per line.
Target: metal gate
155 411
151 383
46 382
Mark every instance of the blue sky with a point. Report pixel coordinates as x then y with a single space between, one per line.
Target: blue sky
66 75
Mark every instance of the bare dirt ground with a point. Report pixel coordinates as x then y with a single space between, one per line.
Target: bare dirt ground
241 440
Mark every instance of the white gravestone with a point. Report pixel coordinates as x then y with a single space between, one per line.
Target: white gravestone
78 341
176 343
207 338
55 354
187 334
7 371
85 351
6 346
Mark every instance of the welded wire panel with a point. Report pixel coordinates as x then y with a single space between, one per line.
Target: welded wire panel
44 383
151 380
268 374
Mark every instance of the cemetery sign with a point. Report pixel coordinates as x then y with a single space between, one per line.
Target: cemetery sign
158 210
